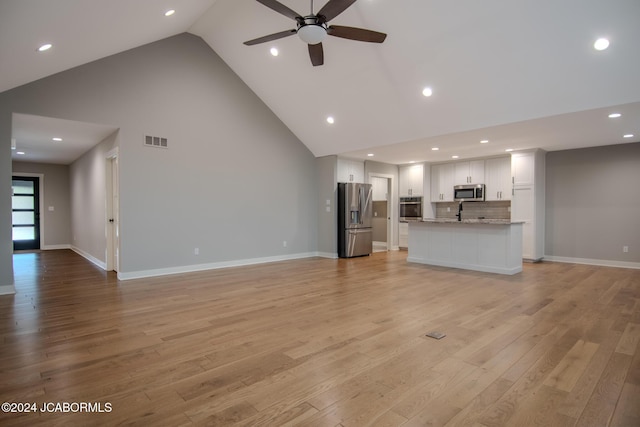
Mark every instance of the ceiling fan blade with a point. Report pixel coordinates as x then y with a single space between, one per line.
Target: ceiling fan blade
358 34
280 8
270 37
334 8
316 53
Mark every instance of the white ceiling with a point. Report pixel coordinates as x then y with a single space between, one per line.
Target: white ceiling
522 74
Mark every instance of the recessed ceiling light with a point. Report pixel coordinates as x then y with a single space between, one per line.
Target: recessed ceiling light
412 161
484 141
601 44
509 149
20 153
629 135
274 51
427 91
614 115
57 139
169 12
44 47
370 155
434 149
455 157
330 120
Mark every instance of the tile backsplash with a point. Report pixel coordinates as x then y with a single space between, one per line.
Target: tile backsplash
473 210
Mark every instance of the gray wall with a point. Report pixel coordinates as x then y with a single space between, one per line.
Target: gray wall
235 182
326 181
6 241
54 191
592 203
88 184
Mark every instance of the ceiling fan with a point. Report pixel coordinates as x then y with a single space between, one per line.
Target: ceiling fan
313 28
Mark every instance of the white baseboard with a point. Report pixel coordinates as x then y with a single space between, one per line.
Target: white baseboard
7 290
327 255
211 266
598 262
55 247
89 257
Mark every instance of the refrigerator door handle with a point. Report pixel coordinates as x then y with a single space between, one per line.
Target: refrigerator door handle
360 203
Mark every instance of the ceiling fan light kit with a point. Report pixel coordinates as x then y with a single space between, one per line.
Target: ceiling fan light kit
313 29
311 32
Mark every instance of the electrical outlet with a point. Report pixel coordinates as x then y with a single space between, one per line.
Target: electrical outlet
448 209
284 244
625 249
196 251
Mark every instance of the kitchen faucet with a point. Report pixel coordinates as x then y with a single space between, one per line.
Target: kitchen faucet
459 214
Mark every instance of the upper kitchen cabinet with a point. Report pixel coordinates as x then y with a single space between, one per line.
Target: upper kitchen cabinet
379 188
497 174
350 170
411 181
471 172
442 182
522 168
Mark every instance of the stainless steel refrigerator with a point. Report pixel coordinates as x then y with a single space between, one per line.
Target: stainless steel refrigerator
355 207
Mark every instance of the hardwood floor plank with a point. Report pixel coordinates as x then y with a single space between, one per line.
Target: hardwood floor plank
323 342
566 374
600 408
629 340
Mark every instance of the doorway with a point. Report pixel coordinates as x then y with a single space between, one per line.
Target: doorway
25 212
381 189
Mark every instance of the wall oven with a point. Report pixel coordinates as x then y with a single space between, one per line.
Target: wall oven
469 193
410 208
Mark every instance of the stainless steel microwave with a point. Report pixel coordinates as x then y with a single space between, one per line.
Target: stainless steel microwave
469 193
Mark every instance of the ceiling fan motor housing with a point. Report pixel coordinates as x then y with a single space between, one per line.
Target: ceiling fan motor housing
311 30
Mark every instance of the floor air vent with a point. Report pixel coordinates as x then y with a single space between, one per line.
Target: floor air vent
156 141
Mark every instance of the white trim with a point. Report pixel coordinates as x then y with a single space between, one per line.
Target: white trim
7 290
89 257
327 255
211 266
598 262
56 247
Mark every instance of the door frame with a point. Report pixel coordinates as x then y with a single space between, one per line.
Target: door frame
112 229
391 212
41 222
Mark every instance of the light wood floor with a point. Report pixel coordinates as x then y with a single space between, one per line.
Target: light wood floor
320 342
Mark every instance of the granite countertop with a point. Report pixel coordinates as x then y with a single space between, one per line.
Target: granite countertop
470 221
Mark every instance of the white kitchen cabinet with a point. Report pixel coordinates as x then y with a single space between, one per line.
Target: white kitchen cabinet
403 235
497 174
471 172
350 170
522 209
522 168
442 182
528 200
379 188
411 180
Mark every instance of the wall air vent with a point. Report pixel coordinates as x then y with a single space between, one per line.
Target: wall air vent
156 141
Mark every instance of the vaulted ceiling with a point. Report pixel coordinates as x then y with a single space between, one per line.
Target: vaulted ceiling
520 74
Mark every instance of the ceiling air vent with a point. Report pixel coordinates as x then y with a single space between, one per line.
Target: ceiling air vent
155 141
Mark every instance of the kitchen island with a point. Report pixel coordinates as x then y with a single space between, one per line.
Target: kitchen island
493 246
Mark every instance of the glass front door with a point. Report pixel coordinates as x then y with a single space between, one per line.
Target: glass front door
25 206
